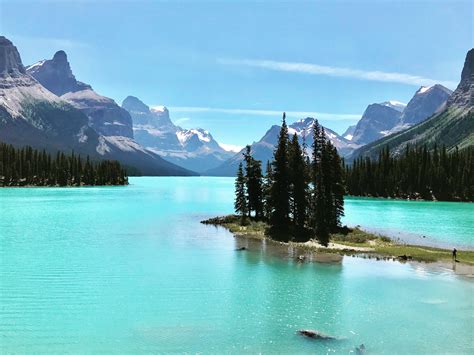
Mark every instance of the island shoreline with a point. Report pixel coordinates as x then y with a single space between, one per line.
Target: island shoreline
357 243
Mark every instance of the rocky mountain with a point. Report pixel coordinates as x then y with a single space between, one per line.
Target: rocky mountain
376 122
105 116
425 102
193 149
386 118
32 115
452 126
349 133
264 148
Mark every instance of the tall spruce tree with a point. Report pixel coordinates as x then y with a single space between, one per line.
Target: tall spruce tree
267 191
253 180
318 205
280 219
298 186
240 203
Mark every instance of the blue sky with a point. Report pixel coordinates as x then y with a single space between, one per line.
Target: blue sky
232 67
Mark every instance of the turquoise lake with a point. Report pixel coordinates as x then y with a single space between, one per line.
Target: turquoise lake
131 270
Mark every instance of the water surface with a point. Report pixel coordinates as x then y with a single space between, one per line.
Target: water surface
131 269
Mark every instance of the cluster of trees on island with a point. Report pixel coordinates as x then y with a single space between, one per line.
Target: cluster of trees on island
30 167
417 173
300 198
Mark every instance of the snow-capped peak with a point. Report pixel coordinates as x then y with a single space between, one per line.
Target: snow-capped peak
231 147
36 65
397 105
159 109
423 89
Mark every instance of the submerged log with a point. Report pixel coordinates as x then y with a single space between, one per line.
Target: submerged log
314 334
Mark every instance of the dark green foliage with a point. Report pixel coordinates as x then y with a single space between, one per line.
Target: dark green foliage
417 173
298 183
240 203
30 167
253 182
267 190
280 194
300 199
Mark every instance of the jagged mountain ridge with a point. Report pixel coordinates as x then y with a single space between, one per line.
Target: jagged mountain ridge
264 148
383 119
32 115
193 149
105 116
452 127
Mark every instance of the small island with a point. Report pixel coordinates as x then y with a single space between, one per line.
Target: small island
28 167
299 202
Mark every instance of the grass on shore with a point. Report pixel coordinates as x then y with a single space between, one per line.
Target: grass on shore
381 245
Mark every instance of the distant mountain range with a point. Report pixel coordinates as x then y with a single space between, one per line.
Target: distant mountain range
263 149
44 106
194 149
382 119
452 125
379 120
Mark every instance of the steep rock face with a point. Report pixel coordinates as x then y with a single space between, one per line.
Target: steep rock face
105 116
425 102
376 122
463 96
349 133
452 127
56 75
264 148
10 61
193 149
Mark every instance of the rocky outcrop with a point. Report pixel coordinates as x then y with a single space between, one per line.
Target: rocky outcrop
425 102
56 75
463 96
105 116
10 61
376 122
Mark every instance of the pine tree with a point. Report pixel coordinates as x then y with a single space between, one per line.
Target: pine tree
319 205
253 180
267 191
298 186
240 203
279 220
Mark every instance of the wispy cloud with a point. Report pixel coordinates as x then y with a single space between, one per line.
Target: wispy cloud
182 120
291 114
59 43
316 69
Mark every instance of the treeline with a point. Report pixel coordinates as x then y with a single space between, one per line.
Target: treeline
418 173
30 167
300 198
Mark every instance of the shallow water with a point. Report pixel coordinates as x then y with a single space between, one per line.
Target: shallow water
446 224
131 269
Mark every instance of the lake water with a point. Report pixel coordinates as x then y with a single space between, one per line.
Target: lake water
131 269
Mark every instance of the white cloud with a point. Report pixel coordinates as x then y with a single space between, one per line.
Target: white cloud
291 114
231 147
59 43
316 69
181 120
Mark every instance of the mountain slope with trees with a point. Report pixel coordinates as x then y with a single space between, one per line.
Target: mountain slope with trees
452 127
